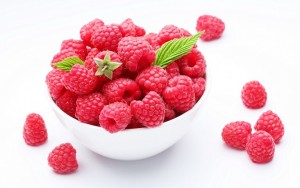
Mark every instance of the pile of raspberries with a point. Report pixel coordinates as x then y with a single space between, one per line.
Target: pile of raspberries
137 94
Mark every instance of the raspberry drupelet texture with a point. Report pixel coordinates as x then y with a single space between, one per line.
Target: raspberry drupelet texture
121 90
62 55
150 112
34 130
89 60
88 108
76 45
185 33
115 117
167 33
172 70
54 84
260 147
254 95
67 103
169 112
199 87
193 64
152 39
153 78
179 93
271 123
88 29
107 37
62 159
80 80
213 27
236 134
128 28
136 53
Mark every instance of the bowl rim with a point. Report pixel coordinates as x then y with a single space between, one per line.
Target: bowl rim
167 123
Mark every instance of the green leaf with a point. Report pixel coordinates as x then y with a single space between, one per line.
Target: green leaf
175 49
68 63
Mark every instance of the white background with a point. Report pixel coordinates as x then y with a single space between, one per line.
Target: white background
261 42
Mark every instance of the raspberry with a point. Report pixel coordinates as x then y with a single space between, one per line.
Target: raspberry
179 93
193 64
121 90
115 117
89 60
88 29
128 28
136 53
107 37
76 45
152 39
67 103
167 33
173 70
134 124
199 87
88 108
212 26
260 147
254 95
62 159
271 123
150 111
34 131
153 78
62 55
53 81
236 134
169 113
80 80
185 33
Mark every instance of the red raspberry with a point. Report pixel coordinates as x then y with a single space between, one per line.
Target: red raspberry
62 55
169 113
121 90
185 33
67 103
150 111
179 93
115 117
128 28
34 131
53 81
134 124
88 108
199 87
152 39
76 45
260 147
80 80
153 78
271 123
136 53
212 26
193 64
107 37
167 33
173 70
89 60
63 159
254 95
88 29
236 134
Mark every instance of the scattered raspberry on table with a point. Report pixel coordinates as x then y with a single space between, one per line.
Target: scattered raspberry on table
213 27
34 130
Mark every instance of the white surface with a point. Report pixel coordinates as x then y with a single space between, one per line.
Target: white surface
261 42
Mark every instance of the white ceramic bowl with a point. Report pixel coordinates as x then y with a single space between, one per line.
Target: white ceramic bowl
131 144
